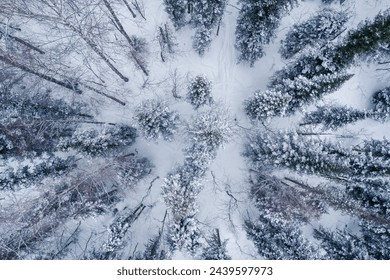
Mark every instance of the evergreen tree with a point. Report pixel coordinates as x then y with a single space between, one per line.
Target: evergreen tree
179 193
215 248
201 40
305 80
206 15
296 152
199 91
318 29
371 193
376 238
278 240
213 128
381 102
117 233
333 117
371 158
304 90
267 104
155 119
341 245
256 26
153 250
35 123
26 174
95 142
365 40
176 10
286 201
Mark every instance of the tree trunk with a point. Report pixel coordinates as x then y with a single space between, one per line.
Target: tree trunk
68 85
124 33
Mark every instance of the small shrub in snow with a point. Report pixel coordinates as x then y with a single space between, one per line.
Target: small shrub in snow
199 92
156 120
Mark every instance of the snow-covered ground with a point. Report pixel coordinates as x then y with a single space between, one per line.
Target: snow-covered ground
224 201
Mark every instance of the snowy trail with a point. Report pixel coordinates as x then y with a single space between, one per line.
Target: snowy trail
226 56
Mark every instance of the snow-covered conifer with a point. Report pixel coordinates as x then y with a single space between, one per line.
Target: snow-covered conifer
340 245
201 40
117 232
176 10
199 91
304 91
288 202
318 29
101 140
154 250
275 239
155 119
372 157
376 239
267 104
206 15
297 152
256 26
333 117
212 127
365 40
215 248
381 102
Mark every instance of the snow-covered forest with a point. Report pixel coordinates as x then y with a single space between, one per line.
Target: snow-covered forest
195 129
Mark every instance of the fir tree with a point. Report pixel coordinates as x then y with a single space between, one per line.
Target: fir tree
179 193
153 250
206 15
296 152
371 158
376 238
117 232
290 202
341 245
213 128
215 248
333 117
26 174
155 119
278 240
318 29
176 10
201 40
304 91
371 193
100 141
267 104
35 123
381 102
365 40
256 26
199 91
